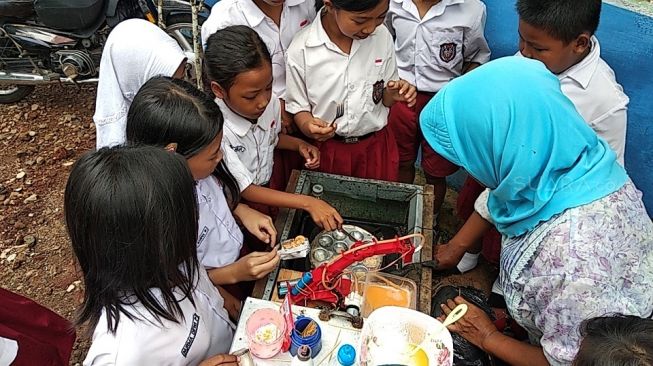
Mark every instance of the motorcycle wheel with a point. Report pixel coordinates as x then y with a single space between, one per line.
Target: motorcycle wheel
12 93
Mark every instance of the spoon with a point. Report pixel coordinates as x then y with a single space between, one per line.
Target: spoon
455 315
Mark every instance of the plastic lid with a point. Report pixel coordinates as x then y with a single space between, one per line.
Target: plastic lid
304 353
346 355
317 189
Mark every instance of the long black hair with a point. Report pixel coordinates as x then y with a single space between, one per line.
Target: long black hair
617 340
232 51
349 5
167 110
131 215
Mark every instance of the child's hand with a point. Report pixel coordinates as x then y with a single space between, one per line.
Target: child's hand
311 154
323 214
220 360
287 123
402 91
260 225
257 265
318 129
231 304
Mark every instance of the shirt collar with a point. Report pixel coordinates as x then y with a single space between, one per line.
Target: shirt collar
317 36
235 122
438 8
239 124
255 15
582 72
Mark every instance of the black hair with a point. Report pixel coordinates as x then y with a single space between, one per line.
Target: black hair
562 19
232 51
349 5
616 341
131 215
167 110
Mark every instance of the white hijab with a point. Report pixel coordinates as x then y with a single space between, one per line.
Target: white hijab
135 52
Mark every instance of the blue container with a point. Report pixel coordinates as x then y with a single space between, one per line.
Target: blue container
314 341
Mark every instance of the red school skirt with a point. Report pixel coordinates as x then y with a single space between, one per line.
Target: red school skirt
373 156
44 338
465 207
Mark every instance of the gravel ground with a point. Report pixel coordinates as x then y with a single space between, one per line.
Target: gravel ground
40 138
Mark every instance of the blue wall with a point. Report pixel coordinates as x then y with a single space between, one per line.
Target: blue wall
627 46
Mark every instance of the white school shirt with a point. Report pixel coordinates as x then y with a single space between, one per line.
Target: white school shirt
592 87
431 51
204 332
249 148
320 76
219 239
296 15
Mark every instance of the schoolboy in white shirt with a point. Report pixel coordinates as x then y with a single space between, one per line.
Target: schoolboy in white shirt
435 42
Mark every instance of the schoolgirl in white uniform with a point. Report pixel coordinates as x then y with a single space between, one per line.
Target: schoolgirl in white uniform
136 50
176 115
275 21
345 62
238 67
132 220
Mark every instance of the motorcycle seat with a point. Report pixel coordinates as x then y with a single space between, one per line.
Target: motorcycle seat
16 8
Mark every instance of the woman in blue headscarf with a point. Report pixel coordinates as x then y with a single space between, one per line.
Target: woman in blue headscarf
577 241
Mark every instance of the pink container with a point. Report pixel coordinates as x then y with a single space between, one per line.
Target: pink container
265 332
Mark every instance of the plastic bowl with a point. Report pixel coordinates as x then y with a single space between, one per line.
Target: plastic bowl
400 336
265 330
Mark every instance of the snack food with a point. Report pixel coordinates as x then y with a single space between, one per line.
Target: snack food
293 243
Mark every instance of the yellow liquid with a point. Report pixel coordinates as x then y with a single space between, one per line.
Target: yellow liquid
377 296
419 357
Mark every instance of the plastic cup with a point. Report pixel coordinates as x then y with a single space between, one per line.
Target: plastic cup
265 319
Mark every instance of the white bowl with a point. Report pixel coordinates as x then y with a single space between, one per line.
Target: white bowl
391 335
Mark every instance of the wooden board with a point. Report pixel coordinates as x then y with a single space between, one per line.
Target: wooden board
425 285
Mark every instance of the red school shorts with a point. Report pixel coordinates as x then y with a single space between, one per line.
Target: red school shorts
404 122
373 157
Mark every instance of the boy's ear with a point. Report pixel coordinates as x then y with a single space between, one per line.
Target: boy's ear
328 4
218 90
582 43
171 147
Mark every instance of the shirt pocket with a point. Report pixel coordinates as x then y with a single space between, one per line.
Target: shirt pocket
447 47
374 84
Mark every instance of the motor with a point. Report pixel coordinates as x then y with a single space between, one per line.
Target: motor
61 41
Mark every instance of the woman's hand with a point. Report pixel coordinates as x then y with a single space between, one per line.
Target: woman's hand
402 91
323 214
311 154
260 225
448 255
257 265
231 304
475 326
220 360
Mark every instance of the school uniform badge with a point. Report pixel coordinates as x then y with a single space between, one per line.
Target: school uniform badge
447 52
377 91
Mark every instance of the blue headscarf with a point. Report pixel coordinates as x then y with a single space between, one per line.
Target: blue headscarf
509 125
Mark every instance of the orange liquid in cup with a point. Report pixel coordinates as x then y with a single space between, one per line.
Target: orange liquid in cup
377 296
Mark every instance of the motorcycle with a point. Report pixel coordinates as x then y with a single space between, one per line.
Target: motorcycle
61 41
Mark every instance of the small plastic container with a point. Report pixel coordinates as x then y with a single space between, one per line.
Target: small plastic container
268 322
383 289
346 355
314 341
